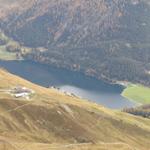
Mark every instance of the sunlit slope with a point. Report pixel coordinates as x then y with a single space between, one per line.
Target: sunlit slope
53 120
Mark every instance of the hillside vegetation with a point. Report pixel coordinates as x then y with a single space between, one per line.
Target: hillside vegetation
104 39
143 111
11 49
53 120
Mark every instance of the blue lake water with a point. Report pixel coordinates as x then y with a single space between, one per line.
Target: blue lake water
83 86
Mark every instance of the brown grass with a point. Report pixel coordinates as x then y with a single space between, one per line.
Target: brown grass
53 120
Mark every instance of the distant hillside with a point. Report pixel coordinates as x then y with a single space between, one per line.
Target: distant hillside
52 120
106 39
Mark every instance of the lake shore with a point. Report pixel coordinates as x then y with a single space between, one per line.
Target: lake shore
137 93
99 91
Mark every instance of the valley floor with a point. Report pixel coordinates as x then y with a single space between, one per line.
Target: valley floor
137 93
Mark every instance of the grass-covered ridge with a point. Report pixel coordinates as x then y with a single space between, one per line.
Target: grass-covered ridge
53 120
138 93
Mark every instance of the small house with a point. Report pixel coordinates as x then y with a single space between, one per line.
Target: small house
24 94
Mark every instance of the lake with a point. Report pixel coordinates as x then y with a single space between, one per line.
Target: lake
83 86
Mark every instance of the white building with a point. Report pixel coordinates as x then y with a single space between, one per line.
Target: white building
24 94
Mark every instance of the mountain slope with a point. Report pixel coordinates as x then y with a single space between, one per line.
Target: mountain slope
50 119
105 39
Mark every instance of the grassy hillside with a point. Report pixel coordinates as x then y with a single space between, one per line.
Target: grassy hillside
53 120
137 93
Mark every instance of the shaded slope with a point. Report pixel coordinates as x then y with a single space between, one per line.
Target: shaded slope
105 39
